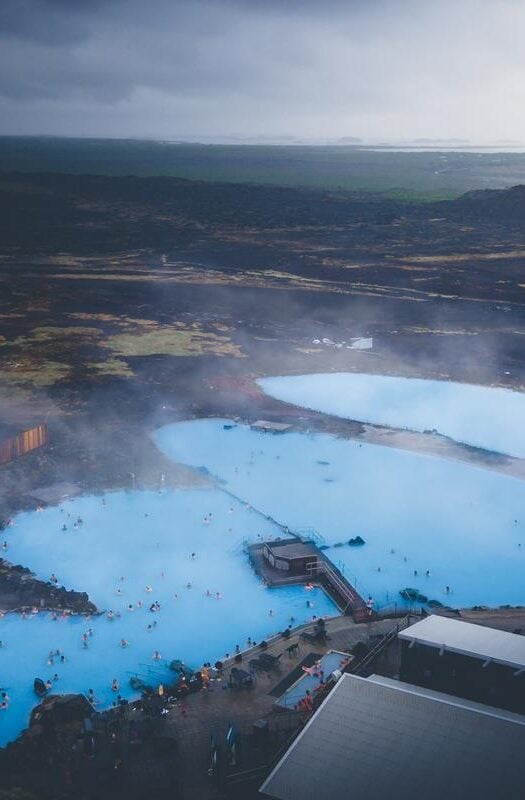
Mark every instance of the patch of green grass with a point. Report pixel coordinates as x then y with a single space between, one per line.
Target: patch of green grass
171 341
37 373
113 367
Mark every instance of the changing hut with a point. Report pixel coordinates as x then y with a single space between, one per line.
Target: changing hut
294 560
293 556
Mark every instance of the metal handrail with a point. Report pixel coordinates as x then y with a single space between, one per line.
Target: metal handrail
374 652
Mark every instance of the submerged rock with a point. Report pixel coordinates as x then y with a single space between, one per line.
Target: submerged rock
413 595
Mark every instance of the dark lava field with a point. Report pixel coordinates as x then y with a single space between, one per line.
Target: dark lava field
129 302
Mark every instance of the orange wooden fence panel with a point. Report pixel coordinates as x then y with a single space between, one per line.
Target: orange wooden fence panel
23 443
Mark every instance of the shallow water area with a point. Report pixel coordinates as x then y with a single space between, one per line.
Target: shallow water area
147 539
417 513
476 415
310 680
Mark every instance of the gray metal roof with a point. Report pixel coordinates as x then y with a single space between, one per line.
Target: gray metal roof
385 739
468 639
460 702
289 549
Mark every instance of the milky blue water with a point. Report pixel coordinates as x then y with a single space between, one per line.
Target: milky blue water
463 524
475 415
417 513
116 540
327 664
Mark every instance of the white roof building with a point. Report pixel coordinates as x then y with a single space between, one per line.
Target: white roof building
465 638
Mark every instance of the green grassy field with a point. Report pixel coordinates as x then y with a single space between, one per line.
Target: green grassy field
407 175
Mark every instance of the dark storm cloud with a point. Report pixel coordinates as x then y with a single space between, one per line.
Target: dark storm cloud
339 67
52 21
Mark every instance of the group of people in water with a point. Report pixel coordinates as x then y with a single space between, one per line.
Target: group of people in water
427 573
56 656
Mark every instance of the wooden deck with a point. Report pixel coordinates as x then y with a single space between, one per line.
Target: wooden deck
321 571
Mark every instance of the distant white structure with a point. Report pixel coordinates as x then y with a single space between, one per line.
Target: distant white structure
270 427
361 344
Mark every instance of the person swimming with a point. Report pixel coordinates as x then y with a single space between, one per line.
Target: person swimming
114 685
124 643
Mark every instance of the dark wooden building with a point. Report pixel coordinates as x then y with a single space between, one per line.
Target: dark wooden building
466 660
292 556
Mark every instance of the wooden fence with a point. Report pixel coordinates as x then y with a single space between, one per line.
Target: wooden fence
23 443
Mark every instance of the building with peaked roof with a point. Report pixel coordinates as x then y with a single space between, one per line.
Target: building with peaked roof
466 660
379 738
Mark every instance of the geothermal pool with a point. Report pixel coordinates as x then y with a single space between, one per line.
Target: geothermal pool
428 524
117 540
417 513
475 415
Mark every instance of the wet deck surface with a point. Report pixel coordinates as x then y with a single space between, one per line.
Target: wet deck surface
191 721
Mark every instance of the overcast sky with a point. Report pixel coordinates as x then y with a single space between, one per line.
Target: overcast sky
380 69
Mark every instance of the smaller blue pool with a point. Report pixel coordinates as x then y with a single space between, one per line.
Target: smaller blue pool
313 678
